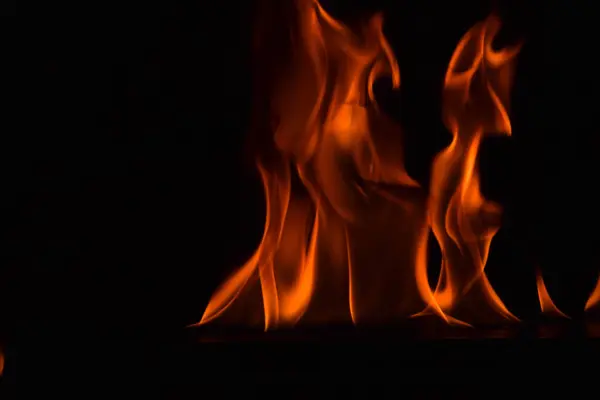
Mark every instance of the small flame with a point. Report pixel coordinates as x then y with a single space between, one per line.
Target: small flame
546 304
354 247
476 94
594 300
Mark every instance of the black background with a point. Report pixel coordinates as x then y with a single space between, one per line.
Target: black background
130 195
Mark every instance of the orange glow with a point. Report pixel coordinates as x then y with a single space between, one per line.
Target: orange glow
350 245
1 362
346 229
546 304
476 94
594 300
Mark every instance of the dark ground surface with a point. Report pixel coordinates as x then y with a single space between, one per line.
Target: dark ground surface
411 361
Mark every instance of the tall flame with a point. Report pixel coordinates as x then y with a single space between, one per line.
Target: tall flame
546 304
476 94
354 248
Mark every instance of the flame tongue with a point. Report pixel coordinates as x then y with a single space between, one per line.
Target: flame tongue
546 304
594 300
475 97
478 82
355 249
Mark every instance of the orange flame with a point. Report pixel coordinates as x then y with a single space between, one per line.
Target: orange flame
354 248
546 304
594 300
476 94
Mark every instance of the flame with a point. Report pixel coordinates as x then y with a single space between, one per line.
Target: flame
476 93
350 243
546 304
594 300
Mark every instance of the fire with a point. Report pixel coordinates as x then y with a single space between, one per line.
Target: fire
546 304
475 104
346 227
594 300
353 249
